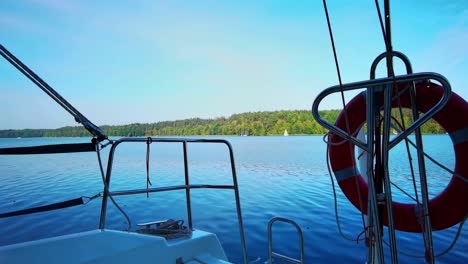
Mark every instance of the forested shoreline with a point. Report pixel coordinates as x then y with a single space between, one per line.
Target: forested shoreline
299 122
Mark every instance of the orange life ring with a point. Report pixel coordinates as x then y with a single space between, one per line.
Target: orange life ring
446 209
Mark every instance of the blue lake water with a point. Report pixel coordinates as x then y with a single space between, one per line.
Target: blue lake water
278 176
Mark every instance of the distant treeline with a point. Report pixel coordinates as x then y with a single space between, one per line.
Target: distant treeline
298 122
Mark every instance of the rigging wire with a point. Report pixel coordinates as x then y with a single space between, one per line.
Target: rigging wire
454 173
106 188
389 49
390 71
343 101
447 250
357 240
425 223
386 33
408 152
383 175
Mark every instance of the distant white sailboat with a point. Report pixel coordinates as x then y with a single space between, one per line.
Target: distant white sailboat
285 133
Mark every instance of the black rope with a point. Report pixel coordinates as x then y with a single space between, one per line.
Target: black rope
149 140
169 229
49 149
50 207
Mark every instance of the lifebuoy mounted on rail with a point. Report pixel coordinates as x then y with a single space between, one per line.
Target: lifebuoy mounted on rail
446 209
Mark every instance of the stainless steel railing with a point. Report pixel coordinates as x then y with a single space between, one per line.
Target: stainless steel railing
384 86
384 83
187 186
274 255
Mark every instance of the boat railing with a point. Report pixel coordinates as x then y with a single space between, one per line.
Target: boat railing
375 88
384 84
187 186
274 255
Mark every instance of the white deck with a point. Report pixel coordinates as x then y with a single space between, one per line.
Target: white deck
110 246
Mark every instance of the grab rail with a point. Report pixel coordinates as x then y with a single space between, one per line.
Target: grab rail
384 83
272 254
187 186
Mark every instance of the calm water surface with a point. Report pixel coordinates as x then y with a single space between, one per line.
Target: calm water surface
278 176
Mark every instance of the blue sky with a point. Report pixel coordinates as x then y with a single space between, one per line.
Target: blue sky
123 62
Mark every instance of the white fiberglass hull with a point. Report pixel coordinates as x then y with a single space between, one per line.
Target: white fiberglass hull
110 246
